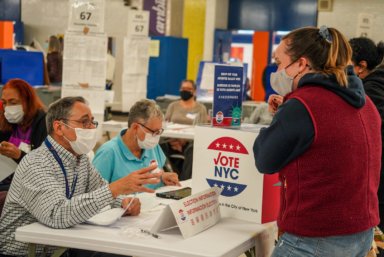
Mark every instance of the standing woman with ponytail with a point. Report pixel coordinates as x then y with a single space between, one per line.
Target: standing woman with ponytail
324 141
22 120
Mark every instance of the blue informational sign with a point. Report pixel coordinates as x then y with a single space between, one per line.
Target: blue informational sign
227 96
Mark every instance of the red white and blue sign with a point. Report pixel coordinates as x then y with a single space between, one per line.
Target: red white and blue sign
224 158
227 166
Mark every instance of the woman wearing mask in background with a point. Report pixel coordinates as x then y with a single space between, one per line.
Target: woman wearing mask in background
324 141
184 111
187 110
136 147
366 59
22 120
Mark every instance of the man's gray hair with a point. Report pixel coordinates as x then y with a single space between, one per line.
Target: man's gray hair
60 110
143 110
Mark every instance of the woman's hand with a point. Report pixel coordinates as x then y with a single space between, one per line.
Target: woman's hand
274 101
10 150
131 205
170 179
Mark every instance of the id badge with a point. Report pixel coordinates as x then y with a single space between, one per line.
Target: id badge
25 147
191 116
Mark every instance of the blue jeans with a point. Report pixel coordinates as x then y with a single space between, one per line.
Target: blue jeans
355 245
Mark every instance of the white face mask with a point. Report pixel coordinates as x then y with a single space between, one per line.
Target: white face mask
149 141
86 140
281 82
14 113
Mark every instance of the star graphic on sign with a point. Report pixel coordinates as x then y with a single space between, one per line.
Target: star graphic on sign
215 185
238 148
222 186
236 189
224 146
217 145
231 146
229 187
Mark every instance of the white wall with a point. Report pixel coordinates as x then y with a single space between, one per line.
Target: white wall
344 16
216 17
43 18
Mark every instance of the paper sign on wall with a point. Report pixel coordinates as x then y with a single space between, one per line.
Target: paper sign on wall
87 13
224 158
364 25
192 214
138 23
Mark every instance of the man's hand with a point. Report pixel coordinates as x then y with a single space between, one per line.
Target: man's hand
132 206
170 179
135 181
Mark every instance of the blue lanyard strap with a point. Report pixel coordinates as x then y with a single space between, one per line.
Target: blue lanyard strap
60 162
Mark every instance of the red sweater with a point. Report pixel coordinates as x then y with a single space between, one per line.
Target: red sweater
331 189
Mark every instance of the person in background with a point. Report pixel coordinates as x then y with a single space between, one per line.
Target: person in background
184 111
247 90
187 110
367 60
136 147
54 61
325 143
22 120
56 184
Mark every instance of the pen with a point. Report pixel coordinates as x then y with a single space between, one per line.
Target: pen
146 231
130 203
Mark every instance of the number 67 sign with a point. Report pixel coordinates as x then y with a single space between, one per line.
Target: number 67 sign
138 23
87 13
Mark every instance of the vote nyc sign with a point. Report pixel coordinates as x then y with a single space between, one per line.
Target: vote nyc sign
224 158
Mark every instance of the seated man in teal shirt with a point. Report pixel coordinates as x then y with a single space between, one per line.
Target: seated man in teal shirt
135 147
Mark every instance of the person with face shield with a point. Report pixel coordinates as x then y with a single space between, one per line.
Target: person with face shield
57 185
325 143
184 111
136 147
22 120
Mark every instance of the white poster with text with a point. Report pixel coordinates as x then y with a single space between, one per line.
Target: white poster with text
192 214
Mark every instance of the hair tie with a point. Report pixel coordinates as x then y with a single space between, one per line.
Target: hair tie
324 33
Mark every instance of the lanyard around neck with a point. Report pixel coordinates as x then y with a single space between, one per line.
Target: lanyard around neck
68 193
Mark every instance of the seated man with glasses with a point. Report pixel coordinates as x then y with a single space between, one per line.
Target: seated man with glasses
136 147
56 184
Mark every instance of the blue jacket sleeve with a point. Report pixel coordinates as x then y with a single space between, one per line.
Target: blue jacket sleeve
290 134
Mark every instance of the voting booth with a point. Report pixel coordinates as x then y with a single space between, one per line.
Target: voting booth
224 158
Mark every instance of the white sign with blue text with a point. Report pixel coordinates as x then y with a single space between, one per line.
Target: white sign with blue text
192 214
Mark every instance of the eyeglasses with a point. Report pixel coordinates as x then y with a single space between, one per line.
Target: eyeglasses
85 123
154 132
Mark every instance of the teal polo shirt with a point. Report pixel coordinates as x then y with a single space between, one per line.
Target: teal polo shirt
114 160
